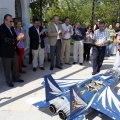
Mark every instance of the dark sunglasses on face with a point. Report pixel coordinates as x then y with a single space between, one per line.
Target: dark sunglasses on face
11 21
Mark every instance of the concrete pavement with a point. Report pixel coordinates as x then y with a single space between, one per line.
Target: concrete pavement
12 101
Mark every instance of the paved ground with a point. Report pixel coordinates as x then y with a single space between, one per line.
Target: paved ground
12 101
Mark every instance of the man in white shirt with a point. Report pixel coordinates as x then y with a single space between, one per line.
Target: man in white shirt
101 37
68 32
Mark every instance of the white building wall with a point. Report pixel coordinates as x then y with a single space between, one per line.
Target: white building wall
6 6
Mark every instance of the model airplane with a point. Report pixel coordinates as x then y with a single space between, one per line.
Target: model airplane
75 101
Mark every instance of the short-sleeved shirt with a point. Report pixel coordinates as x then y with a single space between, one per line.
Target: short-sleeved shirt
100 37
21 42
112 32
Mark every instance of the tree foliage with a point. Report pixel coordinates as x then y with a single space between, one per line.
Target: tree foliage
77 10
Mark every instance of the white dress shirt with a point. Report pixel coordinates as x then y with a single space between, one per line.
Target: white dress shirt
68 34
38 34
56 26
100 37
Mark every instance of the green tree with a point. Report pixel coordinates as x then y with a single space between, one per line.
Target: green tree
77 10
35 6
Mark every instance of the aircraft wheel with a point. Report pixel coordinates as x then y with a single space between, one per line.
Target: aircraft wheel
62 115
52 109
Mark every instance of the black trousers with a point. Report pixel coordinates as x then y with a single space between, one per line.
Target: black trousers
10 65
55 51
86 54
30 55
98 57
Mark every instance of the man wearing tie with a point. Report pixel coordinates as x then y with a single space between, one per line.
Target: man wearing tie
9 50
55 35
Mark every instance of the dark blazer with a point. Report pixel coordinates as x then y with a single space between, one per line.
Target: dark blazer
8 42
34 38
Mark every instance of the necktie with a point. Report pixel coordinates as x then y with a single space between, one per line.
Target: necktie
10 31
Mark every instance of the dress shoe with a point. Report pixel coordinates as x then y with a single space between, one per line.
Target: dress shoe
87 60
30 62
74 63
68 63
23 72
94 73
42 68
24 66
51 68
49 60
10 84
61 64
34 69
98 70
81 63
20 81
58 67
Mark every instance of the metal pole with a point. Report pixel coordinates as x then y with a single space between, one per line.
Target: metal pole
92 18
41 10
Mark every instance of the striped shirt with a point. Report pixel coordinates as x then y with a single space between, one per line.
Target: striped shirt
100 37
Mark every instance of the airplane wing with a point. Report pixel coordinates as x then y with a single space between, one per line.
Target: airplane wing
107 102
65 84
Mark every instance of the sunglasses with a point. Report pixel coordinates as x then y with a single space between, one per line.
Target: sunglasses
10 21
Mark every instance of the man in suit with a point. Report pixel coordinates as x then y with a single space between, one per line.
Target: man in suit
55 35
9 50
36 34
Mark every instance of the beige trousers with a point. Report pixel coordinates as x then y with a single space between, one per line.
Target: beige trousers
38 55
78 50
65 50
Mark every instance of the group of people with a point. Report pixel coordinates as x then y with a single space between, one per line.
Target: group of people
52 42
54 39
11 49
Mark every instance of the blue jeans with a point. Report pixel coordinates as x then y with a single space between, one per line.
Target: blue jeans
109 48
